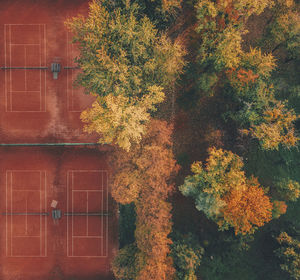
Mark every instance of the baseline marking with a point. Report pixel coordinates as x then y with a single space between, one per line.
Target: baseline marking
42 52
9 174
70 195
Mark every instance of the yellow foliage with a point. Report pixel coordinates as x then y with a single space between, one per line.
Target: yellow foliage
209 6
277 128
119 119
263 63
128 64
224 193
168 5
229 49
250 7
286 3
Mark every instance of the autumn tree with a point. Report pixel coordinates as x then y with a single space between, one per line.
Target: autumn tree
223 192
187 255
289 253
287 189
220 27
127 64
142 176
279 169
163 13
125 264
261 115
282 30
247 208
275 127
279 208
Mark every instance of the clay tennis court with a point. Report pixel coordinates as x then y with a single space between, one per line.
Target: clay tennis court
79 245
34 106
57 220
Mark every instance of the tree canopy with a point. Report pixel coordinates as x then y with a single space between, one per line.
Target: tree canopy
127 64
220 27
223 192
289 253
143 176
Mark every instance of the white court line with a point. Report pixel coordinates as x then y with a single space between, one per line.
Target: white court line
87 211
72 80
45 209
5 74
102 219
68 174
106 253
25 190
22 236
41 215
9 172
102 236
11 209
25 54
87 170
26 217
6 241
106 238
68 105
72 215
90 236
45 63
25 91
10 72
27 256
40 48
14 44
9 93
26 111
88 190
88 257
21 24
27 170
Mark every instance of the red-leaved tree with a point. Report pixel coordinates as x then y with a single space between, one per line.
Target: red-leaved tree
143 176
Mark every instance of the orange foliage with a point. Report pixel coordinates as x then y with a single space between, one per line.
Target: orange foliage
279 208
232 13
221 22
223 192
247 207
142 176
241 77
246 76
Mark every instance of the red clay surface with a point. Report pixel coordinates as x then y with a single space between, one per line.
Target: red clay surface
33 106
35 247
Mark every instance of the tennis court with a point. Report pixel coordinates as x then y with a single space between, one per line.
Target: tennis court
78 244
33 104
57 219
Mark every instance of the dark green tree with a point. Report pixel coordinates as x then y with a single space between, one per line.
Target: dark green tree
187 254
